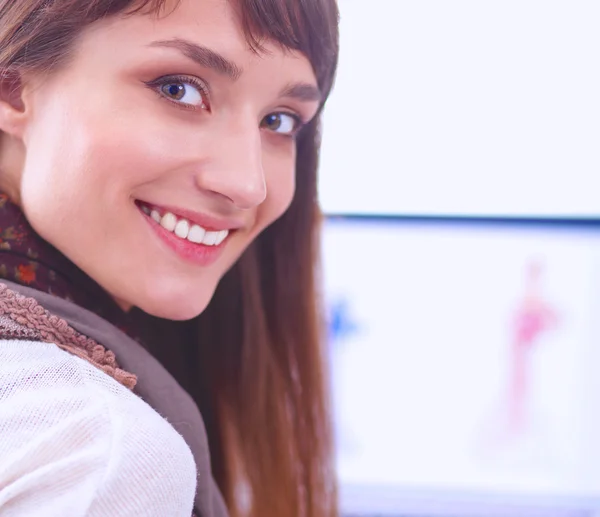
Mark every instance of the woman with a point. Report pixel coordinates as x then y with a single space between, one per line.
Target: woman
533 318
158 164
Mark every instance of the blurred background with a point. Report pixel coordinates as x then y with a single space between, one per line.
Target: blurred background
461 181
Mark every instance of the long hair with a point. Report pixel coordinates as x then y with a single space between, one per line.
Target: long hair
254 360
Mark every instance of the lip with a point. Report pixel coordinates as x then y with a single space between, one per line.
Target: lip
209 223
198 254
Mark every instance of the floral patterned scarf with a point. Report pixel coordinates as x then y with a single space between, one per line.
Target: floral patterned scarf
27 259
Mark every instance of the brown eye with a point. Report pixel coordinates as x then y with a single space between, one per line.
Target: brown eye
175 91
281 123
183 92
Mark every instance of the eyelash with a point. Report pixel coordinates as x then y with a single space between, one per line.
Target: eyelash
157 84
299 124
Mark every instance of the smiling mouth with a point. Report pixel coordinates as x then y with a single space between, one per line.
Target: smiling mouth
182 228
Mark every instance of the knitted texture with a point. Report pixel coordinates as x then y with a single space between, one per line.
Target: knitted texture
76 443
25 318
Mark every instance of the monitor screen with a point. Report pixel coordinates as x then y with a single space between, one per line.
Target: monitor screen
464 108
465 367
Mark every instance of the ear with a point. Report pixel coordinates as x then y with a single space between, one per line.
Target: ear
12 107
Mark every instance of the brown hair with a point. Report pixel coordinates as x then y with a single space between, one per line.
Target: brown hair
254 360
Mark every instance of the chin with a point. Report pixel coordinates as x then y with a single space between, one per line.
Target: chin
176 305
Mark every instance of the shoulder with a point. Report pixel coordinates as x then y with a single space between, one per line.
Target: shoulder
42 374
40 369
71 433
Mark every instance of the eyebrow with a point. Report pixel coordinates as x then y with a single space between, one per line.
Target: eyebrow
204 56
208 58
303 92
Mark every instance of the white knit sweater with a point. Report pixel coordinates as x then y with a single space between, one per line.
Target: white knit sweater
74 442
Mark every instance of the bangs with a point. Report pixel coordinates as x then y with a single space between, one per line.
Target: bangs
307 26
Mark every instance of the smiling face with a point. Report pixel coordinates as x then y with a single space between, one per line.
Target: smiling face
163 147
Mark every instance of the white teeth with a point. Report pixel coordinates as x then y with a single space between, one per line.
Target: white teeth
182 229
196 234
222 236
210 239
145 209
168 221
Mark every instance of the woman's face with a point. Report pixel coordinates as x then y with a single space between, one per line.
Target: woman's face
161 150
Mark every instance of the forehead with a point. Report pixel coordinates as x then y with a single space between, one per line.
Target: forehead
211 23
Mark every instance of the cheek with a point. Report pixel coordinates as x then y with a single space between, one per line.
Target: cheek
79 153
82 166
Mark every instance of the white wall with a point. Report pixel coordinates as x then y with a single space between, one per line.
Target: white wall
469 107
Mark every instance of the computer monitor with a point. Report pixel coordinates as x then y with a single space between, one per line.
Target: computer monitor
466 366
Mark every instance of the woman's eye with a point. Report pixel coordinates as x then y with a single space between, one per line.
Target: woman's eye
183 92
282 123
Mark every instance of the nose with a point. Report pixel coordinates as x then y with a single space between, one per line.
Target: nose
234 169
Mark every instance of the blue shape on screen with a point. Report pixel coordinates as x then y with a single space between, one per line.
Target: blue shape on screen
342 323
